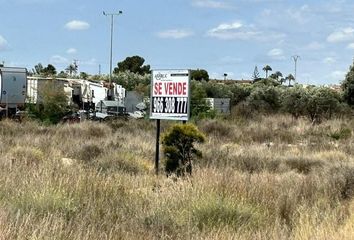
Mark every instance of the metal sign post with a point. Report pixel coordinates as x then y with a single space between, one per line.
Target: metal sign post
157 153
170 100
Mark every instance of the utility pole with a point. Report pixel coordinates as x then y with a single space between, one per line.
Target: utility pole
99 69
295 58
109 92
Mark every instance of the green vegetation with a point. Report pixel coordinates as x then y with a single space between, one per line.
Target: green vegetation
179 149
53 106
134 64
200 75
348 86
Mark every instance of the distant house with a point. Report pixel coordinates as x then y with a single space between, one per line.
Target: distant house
220 105
110 107
82 92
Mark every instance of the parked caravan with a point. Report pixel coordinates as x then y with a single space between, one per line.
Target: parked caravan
13 85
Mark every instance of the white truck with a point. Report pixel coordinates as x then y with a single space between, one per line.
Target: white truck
13 88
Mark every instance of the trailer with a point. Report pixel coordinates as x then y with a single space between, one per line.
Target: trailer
13 87
85 94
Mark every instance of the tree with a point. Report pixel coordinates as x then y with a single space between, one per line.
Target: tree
131 81
323 103
277 76
348 87
295 101
255 75
199 75
267 69
290 78
71 69
53 103
134 64
49 70
83 75
38 69
199 106
179 150
62 74
265 99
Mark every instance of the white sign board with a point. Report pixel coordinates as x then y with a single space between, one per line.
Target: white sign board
170 95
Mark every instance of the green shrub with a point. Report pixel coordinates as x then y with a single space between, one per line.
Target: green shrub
295 100
53 105
265 99
342 133
179 150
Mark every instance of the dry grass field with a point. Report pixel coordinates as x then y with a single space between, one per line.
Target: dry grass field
269 178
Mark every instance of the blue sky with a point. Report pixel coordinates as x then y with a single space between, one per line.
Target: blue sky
221 36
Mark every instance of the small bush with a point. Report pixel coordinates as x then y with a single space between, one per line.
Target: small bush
179 150
302 165
215 212
25 155
217 128
87 152
343 181
123 161
342 133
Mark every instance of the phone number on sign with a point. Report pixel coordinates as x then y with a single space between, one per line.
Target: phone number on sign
177 105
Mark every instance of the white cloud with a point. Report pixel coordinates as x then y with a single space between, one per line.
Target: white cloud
175 33
3 43
232 30
57 59
329 60
342 35
238 31
77 25
350 46
276 53
71 51
211 4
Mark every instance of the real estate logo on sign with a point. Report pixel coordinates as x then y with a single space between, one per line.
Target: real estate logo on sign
170 95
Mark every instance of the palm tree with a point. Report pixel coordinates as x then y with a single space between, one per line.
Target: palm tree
277 76
267 69
71 69
290 78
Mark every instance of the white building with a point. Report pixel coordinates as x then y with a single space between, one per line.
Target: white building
79 91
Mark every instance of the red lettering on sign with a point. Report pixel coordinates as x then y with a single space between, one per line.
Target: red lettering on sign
158 89
173 88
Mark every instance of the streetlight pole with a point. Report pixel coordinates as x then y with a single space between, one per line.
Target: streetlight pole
295 58
109 92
